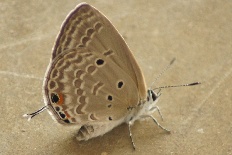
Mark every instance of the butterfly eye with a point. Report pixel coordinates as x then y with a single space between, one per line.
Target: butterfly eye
154 96
57 98
150 94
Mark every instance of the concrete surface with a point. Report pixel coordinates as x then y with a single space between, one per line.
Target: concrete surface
198 33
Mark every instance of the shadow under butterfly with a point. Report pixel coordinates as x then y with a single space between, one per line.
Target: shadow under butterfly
93 80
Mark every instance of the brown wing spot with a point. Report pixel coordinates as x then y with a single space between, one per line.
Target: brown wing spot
90 32
96 87
77 83
73 120
82 100
79 108
52 84
67 42
54 73
84 40
91 14
61 85
78 21
91 69
66 64
60 63
98 26
82 10
93 117
80 45
78 60
79 92
79 73
88 55
83 103
108 53
72 29
62 39
68 30
57 108
58 50
70 55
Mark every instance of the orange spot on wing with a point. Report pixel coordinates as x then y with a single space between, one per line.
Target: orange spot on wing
66 114
61 99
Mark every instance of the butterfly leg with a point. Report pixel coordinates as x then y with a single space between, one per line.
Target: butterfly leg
156 122
129 127
159 112
153 118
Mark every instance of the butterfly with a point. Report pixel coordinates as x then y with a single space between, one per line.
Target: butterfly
93 80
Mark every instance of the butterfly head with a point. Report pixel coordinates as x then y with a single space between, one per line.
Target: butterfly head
152 98
147 107
151 95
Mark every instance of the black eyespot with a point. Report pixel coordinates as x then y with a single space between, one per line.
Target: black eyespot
110 118
110 98
120 84
62 115
66 121
55 98
109 105
57 108
100 62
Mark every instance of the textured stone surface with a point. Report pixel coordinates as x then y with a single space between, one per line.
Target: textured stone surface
197 33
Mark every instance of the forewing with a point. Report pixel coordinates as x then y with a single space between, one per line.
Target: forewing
87 27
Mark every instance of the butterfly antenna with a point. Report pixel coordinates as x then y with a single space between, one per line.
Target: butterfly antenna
164 70
30 116
182 85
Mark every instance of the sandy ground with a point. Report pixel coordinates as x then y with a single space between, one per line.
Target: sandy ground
197 33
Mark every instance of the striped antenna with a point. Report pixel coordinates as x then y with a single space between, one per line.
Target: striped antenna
182 85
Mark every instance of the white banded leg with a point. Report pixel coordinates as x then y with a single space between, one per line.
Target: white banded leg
129 127
153 118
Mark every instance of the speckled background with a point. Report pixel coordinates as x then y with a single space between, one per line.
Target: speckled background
197 33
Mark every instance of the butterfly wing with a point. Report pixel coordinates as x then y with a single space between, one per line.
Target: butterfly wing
93 75
83 86
87 27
